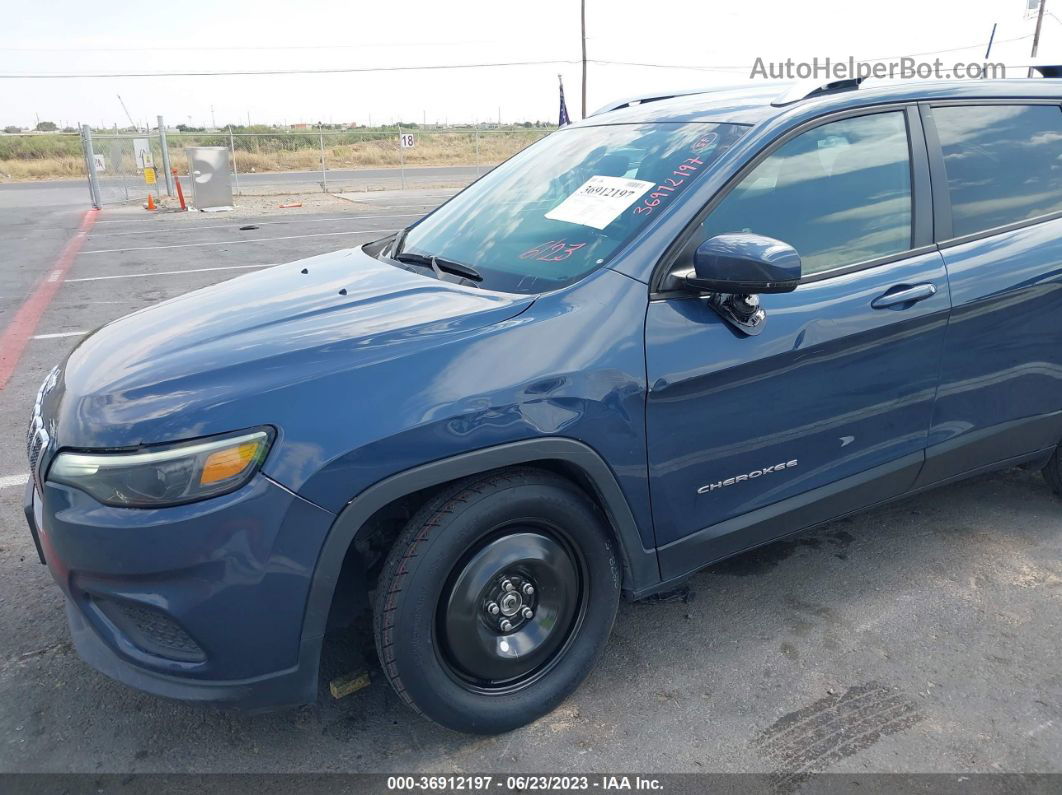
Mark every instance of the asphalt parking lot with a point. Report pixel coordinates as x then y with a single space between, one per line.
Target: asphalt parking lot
924 636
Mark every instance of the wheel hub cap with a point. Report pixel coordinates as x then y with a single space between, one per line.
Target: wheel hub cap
510 601
509 608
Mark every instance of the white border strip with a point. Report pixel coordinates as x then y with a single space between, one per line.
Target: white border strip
7 481
166 273
236 224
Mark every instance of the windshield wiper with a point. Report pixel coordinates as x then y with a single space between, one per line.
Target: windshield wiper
399 241
438 264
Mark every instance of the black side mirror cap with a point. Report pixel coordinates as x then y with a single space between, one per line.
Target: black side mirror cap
742 263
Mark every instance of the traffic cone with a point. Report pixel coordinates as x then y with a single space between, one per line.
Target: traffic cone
151 203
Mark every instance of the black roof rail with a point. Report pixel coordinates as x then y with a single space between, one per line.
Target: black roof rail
1047 69
805 89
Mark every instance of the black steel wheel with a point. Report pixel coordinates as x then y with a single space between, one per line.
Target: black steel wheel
510 608
496 600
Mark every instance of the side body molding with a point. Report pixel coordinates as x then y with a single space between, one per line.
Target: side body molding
640 568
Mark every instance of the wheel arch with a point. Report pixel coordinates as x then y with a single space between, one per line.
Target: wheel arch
570 457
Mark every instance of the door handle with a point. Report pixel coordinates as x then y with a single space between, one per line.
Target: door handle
897 296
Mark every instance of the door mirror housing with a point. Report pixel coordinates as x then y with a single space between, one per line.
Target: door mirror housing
741 263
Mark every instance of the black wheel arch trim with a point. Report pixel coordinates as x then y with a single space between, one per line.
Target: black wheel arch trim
641 569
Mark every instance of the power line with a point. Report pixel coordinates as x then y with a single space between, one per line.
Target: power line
248 72
247 47
952 49
434 67
377 45
748 67
352 69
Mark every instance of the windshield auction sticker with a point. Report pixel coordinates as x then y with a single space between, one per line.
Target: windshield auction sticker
599 201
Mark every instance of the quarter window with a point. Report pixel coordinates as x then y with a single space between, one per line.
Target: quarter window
839 194
1003 162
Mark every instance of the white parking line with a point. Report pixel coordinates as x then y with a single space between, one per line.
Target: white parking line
234 242
246 222
58 335
166 273
249 219
13 480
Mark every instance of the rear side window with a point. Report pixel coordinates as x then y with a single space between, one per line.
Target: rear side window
1003 162
839 194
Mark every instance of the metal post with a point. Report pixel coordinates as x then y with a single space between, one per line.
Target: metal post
90 166
324 173
477 149
165 157
1036 35
232 148
401 158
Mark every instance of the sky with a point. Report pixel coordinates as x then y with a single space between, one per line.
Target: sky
691 43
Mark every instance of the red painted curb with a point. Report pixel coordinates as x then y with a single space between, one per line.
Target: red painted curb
24 323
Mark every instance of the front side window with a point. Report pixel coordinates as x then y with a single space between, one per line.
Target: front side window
564 206
1004 163
839 194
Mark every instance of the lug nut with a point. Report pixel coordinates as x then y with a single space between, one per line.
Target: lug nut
528 589
493 608
507 586
505 625
527 612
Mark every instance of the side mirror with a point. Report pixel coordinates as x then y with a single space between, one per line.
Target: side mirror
740 263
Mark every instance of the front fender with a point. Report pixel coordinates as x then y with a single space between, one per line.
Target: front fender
640 567
572 365
563 382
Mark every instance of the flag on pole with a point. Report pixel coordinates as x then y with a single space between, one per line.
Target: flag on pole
564 118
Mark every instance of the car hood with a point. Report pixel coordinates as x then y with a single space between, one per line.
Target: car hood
166 371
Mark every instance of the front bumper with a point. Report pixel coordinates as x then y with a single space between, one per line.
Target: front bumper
202 602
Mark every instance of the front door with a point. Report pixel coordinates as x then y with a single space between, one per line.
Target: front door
828 408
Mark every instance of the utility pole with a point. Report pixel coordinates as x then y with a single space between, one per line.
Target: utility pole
1036 35
583 16
213 123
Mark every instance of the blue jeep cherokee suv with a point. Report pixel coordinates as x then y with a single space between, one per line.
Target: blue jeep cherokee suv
677 330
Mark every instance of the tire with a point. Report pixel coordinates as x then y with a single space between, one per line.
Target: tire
478 553
1053 472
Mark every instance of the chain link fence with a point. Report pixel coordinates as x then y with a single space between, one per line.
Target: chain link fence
338 160
120 179
267 160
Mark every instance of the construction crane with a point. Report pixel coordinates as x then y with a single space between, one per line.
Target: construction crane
128 115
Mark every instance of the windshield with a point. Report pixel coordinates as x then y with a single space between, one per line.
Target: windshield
563 206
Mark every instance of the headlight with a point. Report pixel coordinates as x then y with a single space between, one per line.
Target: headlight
168 475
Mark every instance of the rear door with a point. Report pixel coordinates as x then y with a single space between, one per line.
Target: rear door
997 170
828 408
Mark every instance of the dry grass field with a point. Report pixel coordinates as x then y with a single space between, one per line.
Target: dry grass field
59 156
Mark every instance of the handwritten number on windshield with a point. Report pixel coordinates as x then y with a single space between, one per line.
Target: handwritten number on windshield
552 251
685 170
